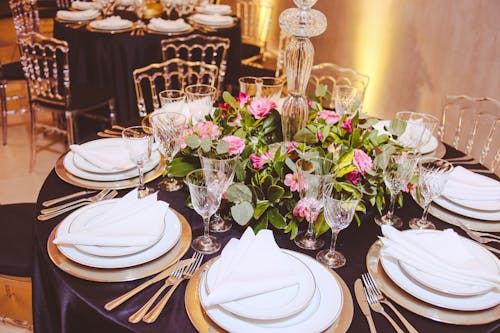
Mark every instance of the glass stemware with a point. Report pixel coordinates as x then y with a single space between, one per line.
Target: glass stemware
271 88
226 165
432 177
339 211
314 175
205 188
174 101
251 86
139 143
419 129
167 129
397 173
200 98
345 98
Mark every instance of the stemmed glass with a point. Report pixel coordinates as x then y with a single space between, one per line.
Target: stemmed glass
167 129
398 171
419 129
271 88
200 98
314 175
345 98
226 165
432 177
205 188
250 85
139 143
339 211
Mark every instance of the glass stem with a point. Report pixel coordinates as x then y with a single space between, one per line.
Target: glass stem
334 241
426 211
310 226
206 226
141 176
390 212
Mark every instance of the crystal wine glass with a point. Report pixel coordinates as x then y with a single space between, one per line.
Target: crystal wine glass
314 175
205 188
200 98
419 129
432 177
345 98
271 88
398 171
167 129
139 143
173 100
339 211
251 86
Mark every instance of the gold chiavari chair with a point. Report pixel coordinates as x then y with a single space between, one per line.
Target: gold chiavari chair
47 70
331 75
207 49
25 16
472 125
174 73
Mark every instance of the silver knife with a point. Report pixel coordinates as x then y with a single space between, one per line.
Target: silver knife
363 304
66 197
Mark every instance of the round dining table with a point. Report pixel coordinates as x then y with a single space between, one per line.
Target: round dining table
67 304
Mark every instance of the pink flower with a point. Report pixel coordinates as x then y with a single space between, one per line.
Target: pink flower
243 99
354 177
236 144
331 117
291 146
347 125
335 150
292 181
259 161
362 161
320 136
205 129
261 107
304 208
309 103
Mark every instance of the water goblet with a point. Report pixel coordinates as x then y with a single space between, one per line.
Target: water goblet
314 174
339 210
271 88
173 101
251 86
167 129
200 98
139 143
432 177
419 129
205 188
345 99
398 171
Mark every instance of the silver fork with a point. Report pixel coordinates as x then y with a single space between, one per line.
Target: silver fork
93 198
479 237
372 286
186 275
377 307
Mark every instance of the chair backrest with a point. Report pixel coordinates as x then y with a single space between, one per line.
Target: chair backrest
25 16
46 67
331 75
255 16
207 49
171 74
472 125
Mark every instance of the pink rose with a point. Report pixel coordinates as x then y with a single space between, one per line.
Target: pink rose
261 107
243 99
347 125
205 129
362 161
331 117
236 144
292 181
354 177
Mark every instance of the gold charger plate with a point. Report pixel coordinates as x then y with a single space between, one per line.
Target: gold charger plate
122 274
101 185
111 31
204 324
419 307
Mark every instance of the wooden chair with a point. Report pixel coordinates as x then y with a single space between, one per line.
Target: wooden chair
47 69
171 74
472 125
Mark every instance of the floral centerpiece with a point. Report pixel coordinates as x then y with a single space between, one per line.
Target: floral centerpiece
264 192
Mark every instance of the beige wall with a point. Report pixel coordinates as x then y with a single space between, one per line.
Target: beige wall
415 51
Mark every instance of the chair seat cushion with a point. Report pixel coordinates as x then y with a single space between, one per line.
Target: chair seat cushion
17 239
12 71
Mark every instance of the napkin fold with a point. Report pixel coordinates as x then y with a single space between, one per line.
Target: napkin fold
129 222
463 184
77 15
115 159
112 22
212 19
250 266
160 24
444 256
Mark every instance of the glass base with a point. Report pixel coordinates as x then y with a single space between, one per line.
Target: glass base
206 245
145 192
332 259
218 224
170 185
395 221
309 242
418 223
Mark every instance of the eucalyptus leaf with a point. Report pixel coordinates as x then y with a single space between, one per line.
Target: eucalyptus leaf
206 144
320 90
193 141
242 212
222 147
238 192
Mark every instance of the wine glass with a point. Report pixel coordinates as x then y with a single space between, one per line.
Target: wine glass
173 101
398 170
251 86
432 177
271 88
139 143
345 98
339 211
314 175
225 164
205 188
200 98
419 129
167 129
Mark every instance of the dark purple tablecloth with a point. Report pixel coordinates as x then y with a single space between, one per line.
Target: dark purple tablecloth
62 303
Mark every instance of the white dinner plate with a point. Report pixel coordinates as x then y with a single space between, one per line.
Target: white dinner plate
485 260
107 26
170 237
473 213
218 21
429 295
483 205
428 148
276 304
314 318
156 28
214 9
70 166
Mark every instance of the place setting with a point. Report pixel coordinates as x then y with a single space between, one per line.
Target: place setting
112 25
168 27
212 21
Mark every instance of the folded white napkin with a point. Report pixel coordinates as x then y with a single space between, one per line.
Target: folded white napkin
117 159
160 24
112 22
212 19
467 185
77 15
250 266
130 222
84 5
214 9
444 256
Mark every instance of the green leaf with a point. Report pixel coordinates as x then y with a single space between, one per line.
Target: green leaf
266 181
238 192
275 193
369 123
206 144
242 212
262 224
276 219
345 160
260 208
320 226
292 228
228 98
320 90
179 168
305 135
397 127
278 167
193 141
290 164
346 170
222 147
240 170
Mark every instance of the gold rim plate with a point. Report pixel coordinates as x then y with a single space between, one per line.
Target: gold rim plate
100 185
204 324
60 20
169 33
413 304
107 31
122 274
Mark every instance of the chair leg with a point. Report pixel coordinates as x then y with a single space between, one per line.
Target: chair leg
3 106
34 110
70 128
112 114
